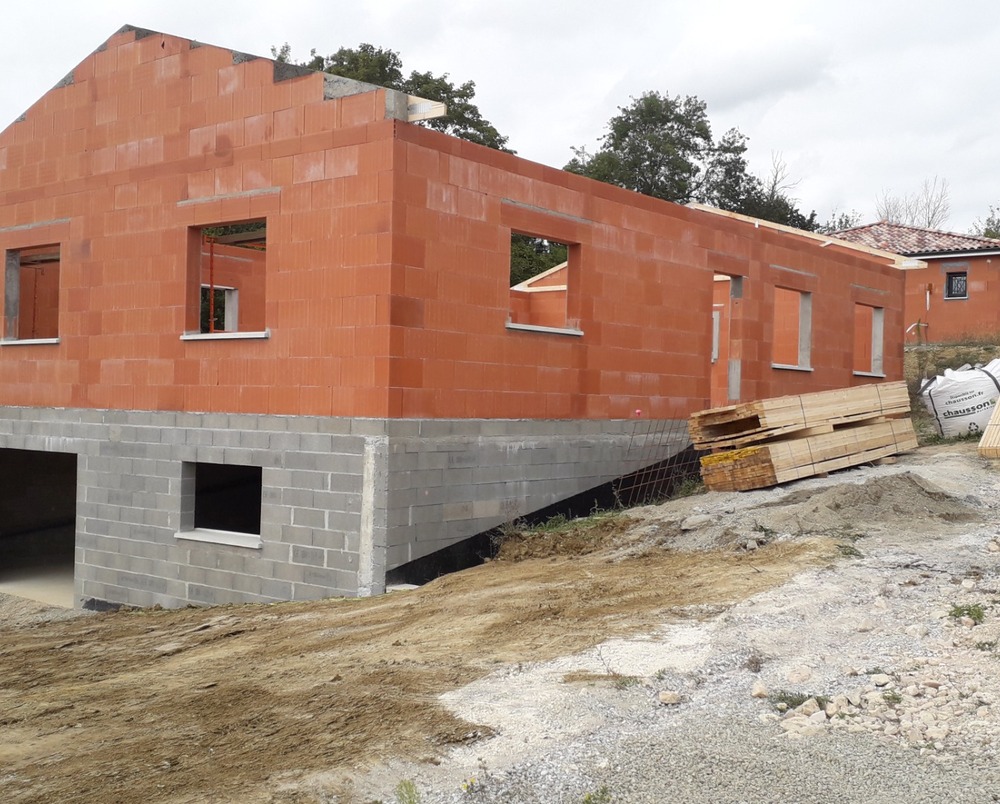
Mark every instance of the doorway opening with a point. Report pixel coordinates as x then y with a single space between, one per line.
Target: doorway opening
38 525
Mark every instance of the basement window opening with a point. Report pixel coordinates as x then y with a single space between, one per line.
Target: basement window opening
221 503
31 297
226 276
541 277
956 285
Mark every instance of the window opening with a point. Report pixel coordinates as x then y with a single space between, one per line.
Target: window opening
868 339
31 300
956 285
540 270
792 342
227 498
229 267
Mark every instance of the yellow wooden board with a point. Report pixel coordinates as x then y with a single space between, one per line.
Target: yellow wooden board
989 444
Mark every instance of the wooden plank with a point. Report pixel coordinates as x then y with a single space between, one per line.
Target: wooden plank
900 261
765 465
989 444
750 422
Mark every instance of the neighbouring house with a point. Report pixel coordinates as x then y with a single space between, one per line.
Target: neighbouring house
952 285
260 341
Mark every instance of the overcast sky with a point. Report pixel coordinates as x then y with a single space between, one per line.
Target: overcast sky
857 97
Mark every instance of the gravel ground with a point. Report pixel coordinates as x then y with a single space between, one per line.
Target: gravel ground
911 711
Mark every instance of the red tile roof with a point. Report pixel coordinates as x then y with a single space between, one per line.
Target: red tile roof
913 241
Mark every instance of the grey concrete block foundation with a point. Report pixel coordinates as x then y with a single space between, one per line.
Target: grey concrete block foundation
342 500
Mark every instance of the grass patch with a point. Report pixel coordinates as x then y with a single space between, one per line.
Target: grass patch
989 646
688 487
624 682
974 611
892 697
793 700
407 793
600 796
849 551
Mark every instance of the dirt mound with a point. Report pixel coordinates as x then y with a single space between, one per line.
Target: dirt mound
896 499
561 537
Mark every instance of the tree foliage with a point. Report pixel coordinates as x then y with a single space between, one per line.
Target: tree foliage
838 221
658 146
988 227
530 256
928 207
382 67
662 146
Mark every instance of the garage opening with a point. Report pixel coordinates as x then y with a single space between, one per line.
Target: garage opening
37 525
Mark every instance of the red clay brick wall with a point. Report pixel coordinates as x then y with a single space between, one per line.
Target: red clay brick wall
140 147
837 280
387 288
954 319
639 294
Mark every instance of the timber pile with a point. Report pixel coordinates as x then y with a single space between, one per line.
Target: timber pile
771 441
989 444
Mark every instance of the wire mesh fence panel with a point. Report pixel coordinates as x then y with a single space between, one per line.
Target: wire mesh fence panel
660 460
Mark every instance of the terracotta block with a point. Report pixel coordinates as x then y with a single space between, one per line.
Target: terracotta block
228 180
308 167
321 116
342 161
356 110
288 123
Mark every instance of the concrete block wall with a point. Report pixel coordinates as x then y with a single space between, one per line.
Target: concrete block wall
129 502
451 479
342 501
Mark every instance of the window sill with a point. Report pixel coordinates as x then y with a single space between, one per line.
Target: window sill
227 537
226 336
784 367
576 333
878 374
27 341
955 298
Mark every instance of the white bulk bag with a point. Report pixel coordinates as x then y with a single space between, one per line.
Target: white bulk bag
961 401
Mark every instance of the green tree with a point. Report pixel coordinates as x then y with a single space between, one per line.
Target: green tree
382 67
658 146
532 255
988 227
728 181
662 146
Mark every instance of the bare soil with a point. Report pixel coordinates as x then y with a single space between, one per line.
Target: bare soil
235 703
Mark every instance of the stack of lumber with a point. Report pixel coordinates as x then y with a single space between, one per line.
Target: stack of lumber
989 444
771 441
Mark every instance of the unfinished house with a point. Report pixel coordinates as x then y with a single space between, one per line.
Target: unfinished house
260 341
